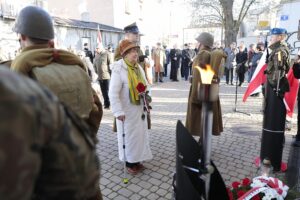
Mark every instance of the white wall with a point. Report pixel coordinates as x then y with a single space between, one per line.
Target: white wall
292 11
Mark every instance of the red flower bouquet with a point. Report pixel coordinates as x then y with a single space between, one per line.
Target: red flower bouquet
239 189
141 88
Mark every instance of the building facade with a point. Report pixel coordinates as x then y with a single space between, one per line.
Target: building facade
69 33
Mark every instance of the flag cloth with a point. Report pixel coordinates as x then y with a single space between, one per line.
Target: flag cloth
99 38
291 96
258 77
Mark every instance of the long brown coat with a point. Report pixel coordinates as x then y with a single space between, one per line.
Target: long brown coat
159 58
193 119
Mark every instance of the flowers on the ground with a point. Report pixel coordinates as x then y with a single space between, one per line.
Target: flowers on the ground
260 188
239 189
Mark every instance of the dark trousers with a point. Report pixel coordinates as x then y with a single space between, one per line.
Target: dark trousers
104 85
174 71
186 71
272 141
241 77
159 75
166 70
182 71
229 74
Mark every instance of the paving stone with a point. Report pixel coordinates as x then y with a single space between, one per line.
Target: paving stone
145 185
125 192
112 195
104 181
154 189
169 196
152 196
165 186
154 181
134 188
135 197
156 175
144 192
161 192
106 192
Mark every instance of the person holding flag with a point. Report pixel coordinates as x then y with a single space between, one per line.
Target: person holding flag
272 72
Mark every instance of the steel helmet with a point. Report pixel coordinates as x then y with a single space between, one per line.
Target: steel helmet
206 39
34 22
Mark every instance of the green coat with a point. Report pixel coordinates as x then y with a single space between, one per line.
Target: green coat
101 65
193 118
45 153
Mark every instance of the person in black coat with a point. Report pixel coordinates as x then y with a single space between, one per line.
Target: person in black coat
167 60
88 53
175 56
187 60
241 59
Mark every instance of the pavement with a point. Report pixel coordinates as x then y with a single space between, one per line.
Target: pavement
233 152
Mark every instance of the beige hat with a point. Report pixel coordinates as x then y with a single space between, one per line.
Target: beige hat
206 39
126 45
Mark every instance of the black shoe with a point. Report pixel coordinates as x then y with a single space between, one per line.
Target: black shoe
106 107
161 81
231 83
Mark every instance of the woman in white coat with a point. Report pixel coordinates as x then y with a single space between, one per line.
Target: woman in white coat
127 107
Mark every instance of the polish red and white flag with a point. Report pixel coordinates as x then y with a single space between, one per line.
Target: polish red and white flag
99 38
260 78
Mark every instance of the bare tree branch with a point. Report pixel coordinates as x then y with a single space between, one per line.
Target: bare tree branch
241 11
245 13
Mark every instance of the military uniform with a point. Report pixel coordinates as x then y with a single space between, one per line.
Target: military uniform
46 151
194 111
61 71
275 112
101 66
132 28
278 67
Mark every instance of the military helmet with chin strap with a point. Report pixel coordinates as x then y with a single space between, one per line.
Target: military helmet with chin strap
34 22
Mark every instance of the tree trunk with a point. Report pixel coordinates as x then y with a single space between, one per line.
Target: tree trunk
229 24
230 35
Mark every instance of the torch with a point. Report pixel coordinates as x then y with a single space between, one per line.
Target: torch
207 93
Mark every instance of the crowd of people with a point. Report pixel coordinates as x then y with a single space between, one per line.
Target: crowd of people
57 127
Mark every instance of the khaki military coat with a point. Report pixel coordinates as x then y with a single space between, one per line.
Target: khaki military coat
193 118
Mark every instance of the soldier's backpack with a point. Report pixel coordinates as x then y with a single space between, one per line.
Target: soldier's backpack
69 83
